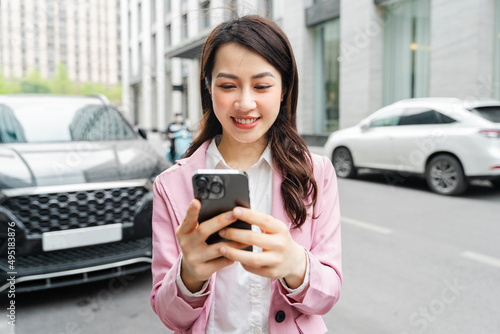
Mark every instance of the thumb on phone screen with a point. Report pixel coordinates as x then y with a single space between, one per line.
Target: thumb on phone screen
190 221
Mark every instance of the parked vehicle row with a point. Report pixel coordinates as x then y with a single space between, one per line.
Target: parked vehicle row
445 140
75 178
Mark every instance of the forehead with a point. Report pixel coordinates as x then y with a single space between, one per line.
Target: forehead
234 57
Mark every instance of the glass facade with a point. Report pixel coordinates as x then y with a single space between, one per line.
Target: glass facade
496 55
204 14
406 50
326 85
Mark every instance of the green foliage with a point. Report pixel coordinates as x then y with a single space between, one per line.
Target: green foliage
34 83
8 86
59 83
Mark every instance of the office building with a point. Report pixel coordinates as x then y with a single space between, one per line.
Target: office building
353 56
41 34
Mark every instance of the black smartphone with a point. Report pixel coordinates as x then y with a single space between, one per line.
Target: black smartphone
219 191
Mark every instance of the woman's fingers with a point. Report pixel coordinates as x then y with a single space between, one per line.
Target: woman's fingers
249 237
190 221
207 228
266 222
214 251
252 259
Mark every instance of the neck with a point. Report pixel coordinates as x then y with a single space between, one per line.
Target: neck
241 155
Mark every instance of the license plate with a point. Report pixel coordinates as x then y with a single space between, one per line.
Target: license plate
80 237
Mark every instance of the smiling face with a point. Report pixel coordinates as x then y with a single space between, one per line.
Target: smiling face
246 94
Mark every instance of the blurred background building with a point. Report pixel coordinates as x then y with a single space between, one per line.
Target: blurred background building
84 36
354 56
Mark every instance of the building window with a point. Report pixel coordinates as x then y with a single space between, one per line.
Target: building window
184 27
139 57
406 50
167 35
204 14
139 17
496 57
153 55
266 8
233 14
327 53
129 23
153 11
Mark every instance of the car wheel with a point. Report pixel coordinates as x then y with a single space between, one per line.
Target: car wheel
445 175
496 184
342 161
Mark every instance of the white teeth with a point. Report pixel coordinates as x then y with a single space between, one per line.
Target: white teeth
245 121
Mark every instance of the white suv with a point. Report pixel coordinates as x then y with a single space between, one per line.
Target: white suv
446 140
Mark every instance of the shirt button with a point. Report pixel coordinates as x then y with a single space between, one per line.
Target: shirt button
280 316
255 292
254 318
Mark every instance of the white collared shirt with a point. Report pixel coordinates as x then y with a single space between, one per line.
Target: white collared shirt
241 299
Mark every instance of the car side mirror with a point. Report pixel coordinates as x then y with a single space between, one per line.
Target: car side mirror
364 126
142 133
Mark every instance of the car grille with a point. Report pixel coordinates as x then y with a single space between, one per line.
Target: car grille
42 213
81 257
78 265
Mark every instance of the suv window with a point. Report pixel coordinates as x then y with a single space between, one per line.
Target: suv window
417 116
421 116
27 121
389 118
492 114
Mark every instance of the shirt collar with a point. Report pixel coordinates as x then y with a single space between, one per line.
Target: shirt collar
215 159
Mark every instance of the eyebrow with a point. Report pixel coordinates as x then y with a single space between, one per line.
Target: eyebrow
256 76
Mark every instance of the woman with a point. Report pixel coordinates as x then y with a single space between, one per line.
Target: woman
249 89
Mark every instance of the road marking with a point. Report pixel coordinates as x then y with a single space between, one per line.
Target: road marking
484 259
366 226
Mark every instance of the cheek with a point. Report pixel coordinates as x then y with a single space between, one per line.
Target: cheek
220 103
273 103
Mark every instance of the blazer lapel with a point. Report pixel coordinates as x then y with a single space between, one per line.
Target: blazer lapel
179 187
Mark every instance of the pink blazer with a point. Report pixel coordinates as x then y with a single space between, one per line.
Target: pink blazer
320 237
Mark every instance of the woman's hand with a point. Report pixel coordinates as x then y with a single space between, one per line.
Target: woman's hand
281 256
200 260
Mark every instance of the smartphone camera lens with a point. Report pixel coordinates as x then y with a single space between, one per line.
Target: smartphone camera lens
203 193
216 187
202 182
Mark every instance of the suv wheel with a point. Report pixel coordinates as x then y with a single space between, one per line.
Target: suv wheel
342 161
445 175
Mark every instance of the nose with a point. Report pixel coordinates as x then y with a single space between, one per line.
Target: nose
245 101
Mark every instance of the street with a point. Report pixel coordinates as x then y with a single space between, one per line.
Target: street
413 262
417 262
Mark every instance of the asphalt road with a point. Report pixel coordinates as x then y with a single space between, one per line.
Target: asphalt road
413 262
417 262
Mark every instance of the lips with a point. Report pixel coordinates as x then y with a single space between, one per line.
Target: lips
245 122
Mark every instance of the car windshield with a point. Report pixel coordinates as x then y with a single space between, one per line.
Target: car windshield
23 120
492 114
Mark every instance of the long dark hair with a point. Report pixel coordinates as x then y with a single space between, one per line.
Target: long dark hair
289 150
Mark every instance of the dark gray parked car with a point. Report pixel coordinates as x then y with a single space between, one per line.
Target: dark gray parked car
75 190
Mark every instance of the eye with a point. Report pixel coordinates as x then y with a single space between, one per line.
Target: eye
227 86
261 87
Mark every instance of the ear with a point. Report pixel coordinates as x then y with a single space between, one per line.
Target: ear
283 93
207 86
